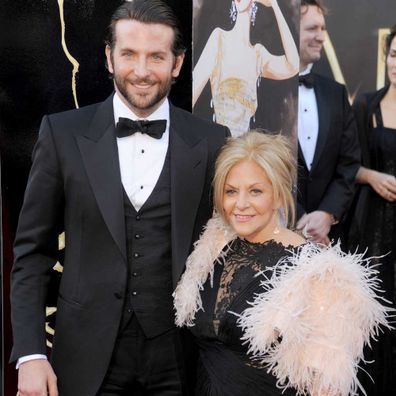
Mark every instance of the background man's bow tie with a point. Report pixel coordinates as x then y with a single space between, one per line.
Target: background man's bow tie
126 127
307 80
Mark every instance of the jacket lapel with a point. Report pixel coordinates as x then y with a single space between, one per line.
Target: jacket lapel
99 151
324 122
188 170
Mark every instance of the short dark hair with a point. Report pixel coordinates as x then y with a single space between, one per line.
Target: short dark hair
316 3
147 11
389 38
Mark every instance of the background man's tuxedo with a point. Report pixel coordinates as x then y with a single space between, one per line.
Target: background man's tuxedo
329 184
75 186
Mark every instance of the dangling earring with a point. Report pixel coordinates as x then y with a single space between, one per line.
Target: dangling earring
280 221
253 13
233 11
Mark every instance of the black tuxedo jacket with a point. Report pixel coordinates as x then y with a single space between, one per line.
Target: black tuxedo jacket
75 185
329 185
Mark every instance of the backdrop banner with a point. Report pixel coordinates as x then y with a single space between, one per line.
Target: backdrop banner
354 53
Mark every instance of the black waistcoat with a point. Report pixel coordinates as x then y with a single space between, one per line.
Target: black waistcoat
148 231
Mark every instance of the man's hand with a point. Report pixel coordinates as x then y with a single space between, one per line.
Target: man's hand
37 378
316 226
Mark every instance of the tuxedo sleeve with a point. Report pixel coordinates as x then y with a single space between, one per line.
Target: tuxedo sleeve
36 246
339 193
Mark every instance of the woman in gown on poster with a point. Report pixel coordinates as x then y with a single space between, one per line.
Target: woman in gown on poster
234 66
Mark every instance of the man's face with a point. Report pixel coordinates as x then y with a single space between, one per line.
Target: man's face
312 33
143 64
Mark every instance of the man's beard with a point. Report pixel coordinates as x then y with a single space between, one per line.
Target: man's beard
144 103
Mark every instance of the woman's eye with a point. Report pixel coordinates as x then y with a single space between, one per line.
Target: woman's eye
230 192
255 191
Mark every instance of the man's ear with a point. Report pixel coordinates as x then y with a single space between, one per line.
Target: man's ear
108 59
177 65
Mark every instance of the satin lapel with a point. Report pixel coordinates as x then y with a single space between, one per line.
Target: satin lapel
301 159
188 169
324 122
100 156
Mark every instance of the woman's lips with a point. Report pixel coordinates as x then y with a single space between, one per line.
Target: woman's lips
243 218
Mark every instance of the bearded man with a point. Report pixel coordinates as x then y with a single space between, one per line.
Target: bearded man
128 180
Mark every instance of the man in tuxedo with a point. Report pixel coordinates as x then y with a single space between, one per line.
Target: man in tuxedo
328 148
128 180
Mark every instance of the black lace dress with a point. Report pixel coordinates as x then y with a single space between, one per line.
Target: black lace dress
224 367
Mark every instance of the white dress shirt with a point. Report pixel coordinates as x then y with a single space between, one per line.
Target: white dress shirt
141 156
308 121
141 161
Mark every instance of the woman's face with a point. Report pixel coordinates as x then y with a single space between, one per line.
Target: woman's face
248 202
243 5
391 62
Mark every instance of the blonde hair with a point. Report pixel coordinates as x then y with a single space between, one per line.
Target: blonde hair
273 154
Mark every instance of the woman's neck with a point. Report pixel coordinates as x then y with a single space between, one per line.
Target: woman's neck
391 94
242 27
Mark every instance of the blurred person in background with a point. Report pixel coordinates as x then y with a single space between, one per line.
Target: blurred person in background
328 146
374 218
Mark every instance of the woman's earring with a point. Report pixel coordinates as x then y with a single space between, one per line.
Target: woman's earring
253 13
233 11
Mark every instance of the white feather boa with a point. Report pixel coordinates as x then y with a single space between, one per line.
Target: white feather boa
200 264
323 303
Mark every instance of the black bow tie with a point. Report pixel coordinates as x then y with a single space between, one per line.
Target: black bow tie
126 127
307 80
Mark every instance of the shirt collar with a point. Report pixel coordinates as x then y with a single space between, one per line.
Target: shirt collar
307 70
122 110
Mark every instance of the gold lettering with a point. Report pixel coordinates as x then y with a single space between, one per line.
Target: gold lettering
333 60
72 60
381 66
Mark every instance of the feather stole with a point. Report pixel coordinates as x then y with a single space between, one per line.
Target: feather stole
323 304
207 250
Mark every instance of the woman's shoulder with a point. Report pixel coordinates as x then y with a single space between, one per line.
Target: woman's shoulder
289 238
218 33
368 98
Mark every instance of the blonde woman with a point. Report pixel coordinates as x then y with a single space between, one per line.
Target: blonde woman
268 310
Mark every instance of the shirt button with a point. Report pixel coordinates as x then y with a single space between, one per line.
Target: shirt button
136 255
129 310
134 274
309 137
141 187
138 217
142 151
134 293
137 236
